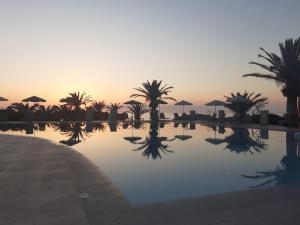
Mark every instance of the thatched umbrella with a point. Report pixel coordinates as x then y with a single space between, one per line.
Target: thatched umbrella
3 99
183 103
132 102
216 103
34 99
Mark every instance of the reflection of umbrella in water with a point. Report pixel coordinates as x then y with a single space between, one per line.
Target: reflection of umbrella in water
132 139
216 103
183 137
214 141
183 103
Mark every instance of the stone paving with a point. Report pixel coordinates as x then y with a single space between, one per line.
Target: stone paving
41 183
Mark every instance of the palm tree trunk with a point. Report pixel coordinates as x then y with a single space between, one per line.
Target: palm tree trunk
298 105
291 151
292 110
153 113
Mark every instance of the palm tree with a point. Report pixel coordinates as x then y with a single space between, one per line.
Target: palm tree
138 110
46 113
76 100
285 71
98 106
152 92
64 111
115 107
21 107
242 103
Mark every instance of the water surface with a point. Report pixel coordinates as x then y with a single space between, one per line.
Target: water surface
180 160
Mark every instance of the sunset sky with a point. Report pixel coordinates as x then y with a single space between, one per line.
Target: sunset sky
106 48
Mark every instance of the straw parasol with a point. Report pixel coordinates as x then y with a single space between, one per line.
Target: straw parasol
34 99
3 99
132 102
183 103
216 103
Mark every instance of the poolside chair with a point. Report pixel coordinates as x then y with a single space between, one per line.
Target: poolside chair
125 125
192 115
162 125
184 116
184 124
176 116
163 117
176 125
192 126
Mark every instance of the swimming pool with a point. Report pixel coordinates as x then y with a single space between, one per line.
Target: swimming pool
177 160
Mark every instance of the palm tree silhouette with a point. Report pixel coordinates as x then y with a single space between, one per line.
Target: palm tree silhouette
21 107
98 106
152 92
98 127
115 107
46 112
245 102
287 172
138 110
114 114
285 71
76 100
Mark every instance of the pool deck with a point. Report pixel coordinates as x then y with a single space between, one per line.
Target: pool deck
41 184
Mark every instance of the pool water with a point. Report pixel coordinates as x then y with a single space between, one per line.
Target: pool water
177 161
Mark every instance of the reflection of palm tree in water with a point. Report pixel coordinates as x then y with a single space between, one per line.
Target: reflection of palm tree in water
74 131
153 144
241 141
98 127
289 170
